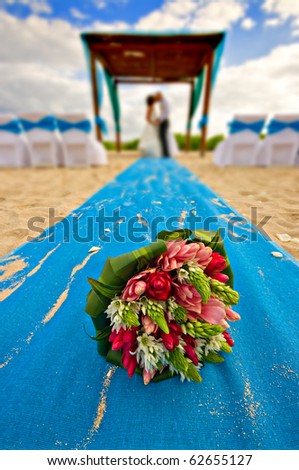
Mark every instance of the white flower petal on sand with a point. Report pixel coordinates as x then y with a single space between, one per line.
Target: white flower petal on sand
284 237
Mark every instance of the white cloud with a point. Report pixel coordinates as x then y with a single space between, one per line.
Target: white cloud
200 15
36 6
248 23
272 22
100 4
284 9
42 67
78 14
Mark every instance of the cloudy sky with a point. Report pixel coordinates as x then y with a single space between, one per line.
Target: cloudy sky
42 65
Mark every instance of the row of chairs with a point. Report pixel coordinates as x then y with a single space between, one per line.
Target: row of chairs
243 145
36 139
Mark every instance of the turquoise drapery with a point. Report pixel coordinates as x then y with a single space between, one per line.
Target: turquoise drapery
114 99
197 92
99 121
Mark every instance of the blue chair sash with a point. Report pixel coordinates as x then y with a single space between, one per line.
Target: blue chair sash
203 121
14 127
48 123
239 126
277 126
83 126
102 124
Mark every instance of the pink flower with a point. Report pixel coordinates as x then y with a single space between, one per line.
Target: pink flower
215 266
180 252
136 286
231 315
214 312
147 376
188 297
148 325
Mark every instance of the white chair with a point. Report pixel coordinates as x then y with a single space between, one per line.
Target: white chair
14 148
281 146
44 140
243 143
78 144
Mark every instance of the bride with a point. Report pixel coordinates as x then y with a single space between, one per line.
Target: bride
150 144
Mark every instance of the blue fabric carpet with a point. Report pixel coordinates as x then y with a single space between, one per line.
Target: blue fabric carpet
57 393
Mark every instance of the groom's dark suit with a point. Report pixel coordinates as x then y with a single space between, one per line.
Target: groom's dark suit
163 127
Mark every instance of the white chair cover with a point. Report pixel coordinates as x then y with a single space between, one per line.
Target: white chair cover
45 144
14 148
79 146
282 148
241 148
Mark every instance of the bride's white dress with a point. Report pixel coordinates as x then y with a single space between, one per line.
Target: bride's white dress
150 145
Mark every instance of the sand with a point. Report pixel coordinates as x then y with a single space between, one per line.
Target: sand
30 192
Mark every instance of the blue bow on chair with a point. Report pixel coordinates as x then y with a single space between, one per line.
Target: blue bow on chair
203 121
102 124
239 126
83 126
14 127
278 126
47 123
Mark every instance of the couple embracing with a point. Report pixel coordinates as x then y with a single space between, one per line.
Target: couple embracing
156 139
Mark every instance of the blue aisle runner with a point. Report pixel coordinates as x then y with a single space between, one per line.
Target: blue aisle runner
57 393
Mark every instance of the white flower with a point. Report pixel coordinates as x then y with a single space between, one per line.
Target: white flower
214 343
149 352
183 275
200 345
114 312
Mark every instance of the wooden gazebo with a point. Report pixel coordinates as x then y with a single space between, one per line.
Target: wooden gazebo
142 58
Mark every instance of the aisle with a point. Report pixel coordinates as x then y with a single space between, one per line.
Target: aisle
57 393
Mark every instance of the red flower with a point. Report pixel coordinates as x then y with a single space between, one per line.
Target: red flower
215 266
171 340
159 286
189 349
129 362
228 338
126 340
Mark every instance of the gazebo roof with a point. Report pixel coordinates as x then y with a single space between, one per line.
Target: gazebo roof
152 57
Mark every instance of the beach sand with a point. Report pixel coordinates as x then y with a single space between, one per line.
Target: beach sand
30 192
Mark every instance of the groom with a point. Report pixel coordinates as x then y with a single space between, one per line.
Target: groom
163 123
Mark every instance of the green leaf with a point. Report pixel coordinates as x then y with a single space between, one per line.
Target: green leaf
166 374
213 357
183 234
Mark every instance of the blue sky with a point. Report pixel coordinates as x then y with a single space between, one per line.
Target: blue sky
39 44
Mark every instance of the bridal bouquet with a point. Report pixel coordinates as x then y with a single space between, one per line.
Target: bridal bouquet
163 310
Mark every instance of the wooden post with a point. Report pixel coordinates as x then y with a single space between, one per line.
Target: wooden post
118 133
95 98
188 131
206 104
